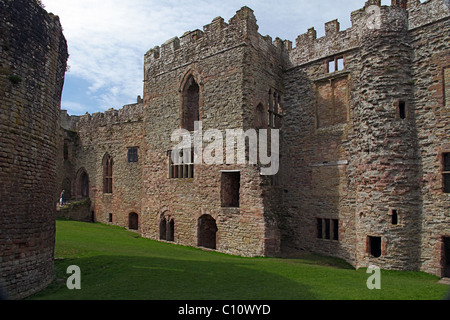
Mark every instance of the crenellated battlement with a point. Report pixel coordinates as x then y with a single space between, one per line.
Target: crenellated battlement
215 37
401 15
127 114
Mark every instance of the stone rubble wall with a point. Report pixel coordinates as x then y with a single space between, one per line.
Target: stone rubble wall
33 55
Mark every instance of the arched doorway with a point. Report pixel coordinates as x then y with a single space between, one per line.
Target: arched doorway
82 184
133 221
67 187
207 232
167 228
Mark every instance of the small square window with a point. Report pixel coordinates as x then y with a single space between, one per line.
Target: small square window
133 154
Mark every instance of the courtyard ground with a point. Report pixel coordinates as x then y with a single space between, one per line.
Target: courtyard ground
117 264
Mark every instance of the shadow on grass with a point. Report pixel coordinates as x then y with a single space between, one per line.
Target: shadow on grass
148 278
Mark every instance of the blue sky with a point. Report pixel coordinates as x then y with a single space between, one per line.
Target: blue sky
107 39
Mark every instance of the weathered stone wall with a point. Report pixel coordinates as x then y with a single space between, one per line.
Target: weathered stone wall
111 133
33 55
380 162
432 115
361 144
222 61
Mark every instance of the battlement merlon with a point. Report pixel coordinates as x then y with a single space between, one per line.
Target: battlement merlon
130 113
401 15
241 27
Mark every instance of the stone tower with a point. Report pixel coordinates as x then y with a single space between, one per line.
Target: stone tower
33 56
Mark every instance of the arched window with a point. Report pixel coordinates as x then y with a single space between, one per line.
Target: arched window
259 121
107 173
191 102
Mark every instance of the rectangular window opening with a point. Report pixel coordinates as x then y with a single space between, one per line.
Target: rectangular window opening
181 166
230 189
331 66
327 229
402 109
132 154
394 217
335 229
319 228
340 64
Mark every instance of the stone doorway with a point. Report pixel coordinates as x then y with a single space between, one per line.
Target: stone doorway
133 221
446 258
207 232
167 228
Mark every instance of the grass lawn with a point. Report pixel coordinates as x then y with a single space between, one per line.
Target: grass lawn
117 264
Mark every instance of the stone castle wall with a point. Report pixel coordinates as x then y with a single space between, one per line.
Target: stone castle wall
33 55
361 145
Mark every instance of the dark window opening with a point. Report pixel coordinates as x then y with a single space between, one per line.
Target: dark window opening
394 217
132 154
66 151
319 228
275 110
402 109
375 246
107 174
110 217
260 119
191 101
230 189
327 229
335 229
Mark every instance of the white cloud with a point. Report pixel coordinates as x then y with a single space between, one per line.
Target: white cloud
108 38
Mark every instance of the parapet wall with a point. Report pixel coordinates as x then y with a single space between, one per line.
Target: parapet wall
127 114
215 38
372 18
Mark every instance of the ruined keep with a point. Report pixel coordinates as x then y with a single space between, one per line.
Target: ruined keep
33 56
364 152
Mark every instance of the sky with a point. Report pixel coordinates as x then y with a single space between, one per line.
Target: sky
108 39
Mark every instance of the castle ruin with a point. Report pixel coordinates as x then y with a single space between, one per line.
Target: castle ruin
363 115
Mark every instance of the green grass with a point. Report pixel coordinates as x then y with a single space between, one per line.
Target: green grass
118 264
